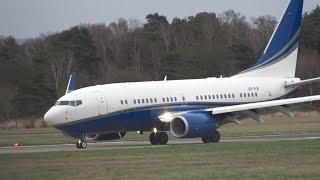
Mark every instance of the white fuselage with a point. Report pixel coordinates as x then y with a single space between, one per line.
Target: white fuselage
108 99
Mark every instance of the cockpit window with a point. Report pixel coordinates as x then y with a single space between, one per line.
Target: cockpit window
70 103
63 103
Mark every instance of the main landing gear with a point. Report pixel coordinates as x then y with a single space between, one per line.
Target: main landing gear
158 138
81 144
213 137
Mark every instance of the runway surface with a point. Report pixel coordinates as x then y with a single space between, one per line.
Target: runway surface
145 144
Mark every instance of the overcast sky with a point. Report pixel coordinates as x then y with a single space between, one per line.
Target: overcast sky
29 18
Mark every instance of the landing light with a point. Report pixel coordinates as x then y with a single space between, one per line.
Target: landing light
166 117
155 130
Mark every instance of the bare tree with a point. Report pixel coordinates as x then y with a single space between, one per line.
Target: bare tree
235 27
119 30
209 26
136 48
61 66
156 57
101 35
264 27
164 31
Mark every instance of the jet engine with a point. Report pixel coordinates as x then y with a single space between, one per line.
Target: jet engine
192 125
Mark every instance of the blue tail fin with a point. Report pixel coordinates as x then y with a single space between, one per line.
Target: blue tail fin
280 56
72 84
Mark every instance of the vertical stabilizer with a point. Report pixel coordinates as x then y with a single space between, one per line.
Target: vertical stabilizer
72 85
279 59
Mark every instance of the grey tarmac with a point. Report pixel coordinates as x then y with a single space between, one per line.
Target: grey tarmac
145 144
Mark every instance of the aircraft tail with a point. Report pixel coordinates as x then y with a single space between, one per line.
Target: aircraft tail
72 84
279 59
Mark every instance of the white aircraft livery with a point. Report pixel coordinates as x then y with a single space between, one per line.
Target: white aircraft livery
188 108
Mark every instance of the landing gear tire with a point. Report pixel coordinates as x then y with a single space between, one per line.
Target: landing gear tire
205 139
78 145
81 144
163 138
154 138
160 138
214 137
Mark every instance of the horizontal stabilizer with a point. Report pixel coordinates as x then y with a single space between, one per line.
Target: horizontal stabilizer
302 82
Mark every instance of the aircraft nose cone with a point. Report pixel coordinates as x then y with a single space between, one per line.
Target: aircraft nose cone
49 117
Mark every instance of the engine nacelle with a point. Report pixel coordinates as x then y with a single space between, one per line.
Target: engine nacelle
192 125
105 137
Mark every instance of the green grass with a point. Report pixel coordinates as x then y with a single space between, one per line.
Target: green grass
254 160
272 126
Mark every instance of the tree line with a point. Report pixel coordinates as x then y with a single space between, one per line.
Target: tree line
33 75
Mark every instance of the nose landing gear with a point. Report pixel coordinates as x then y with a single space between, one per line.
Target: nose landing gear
81 144
159 138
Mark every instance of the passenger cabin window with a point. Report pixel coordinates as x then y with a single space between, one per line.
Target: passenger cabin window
147 100
155 100
78 102
125 101
121 101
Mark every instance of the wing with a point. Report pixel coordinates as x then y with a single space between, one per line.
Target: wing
235 113
243 107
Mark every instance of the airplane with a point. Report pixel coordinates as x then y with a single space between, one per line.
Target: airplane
194 108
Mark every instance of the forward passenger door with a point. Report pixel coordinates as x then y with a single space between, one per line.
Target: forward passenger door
102 103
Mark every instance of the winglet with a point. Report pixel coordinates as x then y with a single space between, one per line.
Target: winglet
72 85
165 78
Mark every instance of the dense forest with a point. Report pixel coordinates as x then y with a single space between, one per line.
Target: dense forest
34 74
